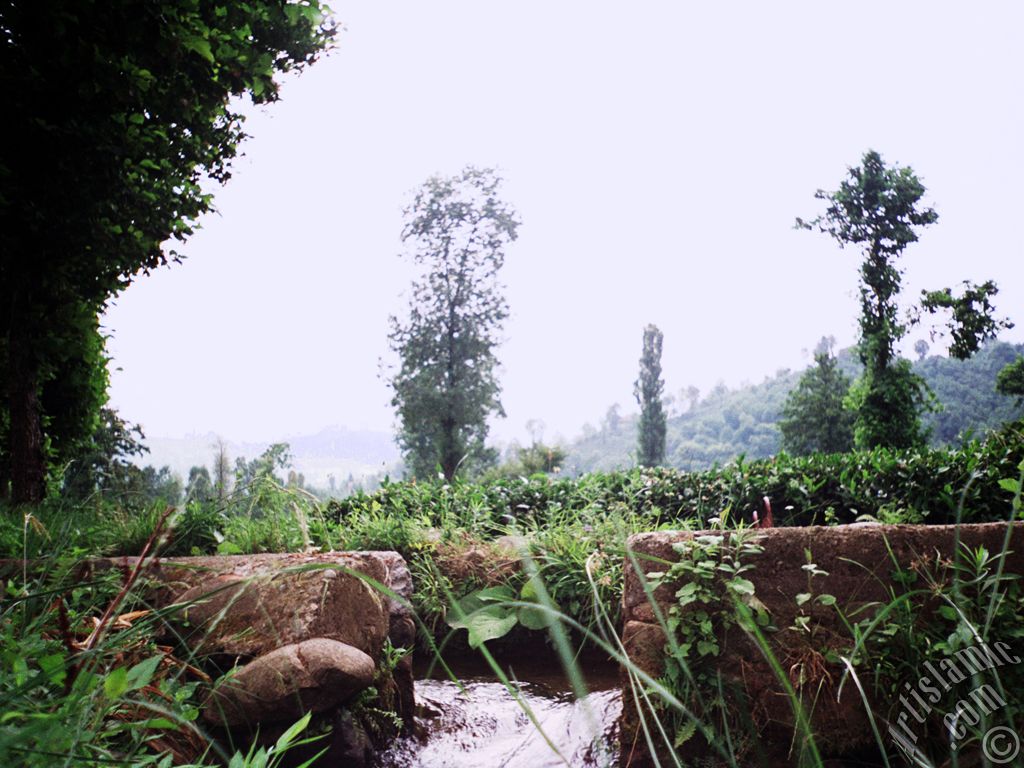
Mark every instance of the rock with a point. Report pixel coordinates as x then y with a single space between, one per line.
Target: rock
284 684
249 612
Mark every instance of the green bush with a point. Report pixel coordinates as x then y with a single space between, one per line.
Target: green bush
915 486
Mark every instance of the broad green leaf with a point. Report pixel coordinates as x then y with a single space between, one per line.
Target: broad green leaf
535 618
116 683
1008 484
53 667
142 673
502 593
488 623
742 586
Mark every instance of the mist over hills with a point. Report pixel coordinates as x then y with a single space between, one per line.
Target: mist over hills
714 429
334 451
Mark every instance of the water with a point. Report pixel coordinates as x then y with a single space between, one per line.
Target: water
482 725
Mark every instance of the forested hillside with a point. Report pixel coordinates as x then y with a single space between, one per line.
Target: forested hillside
729 423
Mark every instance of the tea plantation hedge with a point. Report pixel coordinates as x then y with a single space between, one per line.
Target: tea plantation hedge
925 486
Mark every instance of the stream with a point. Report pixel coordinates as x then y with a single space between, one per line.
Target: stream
480 725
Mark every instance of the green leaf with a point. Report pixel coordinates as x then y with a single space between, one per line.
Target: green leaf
53 667
826 599
535 618
199 45
142 673
501 593
1008 484
684 733
488 623
294 730
742 586
116 683
803 597
707 648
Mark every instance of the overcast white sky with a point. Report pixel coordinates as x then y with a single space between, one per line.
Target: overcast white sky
657 152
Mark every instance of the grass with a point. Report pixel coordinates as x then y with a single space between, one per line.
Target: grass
564 549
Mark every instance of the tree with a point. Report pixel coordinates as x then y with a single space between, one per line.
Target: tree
692 396
456 231
647 391
115 112
612 419
199 486
1010 380
814 419
221 469
921 348
878 209
105 462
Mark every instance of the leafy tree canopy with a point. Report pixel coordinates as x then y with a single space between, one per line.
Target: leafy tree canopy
446 386
115 113
878 209
1011 380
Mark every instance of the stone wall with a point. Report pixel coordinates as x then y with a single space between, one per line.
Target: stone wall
859 561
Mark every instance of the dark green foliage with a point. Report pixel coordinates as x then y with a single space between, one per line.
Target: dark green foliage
966 393
536 459
115 113
200 486
922 485
446 385
971 320
276 457
105 462
888 404
1011 380
648 390
878 210
814 419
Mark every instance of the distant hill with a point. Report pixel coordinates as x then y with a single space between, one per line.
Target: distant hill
336 451
728 423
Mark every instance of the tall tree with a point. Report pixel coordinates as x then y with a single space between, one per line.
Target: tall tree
221 469
814 419
115 112
647 390
456 231
878 209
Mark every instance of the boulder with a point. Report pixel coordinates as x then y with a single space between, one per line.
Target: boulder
311 676
258 604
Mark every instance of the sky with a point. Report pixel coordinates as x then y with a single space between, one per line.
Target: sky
657 153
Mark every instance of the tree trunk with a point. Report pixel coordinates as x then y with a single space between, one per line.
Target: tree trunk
27 467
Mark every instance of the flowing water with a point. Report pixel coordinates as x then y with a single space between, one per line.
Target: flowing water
479 724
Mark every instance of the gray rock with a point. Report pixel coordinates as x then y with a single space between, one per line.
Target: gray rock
311 676
263 605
